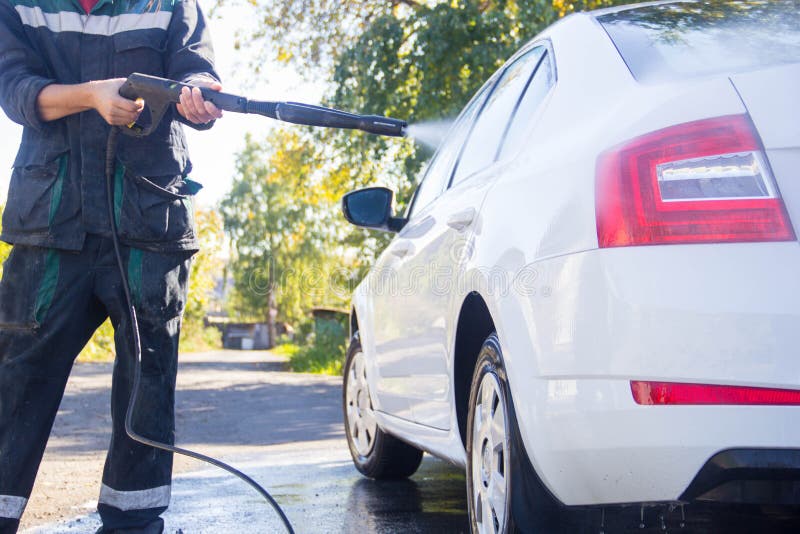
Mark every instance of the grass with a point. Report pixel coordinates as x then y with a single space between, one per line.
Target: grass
197 338
323 354
287 349
194 338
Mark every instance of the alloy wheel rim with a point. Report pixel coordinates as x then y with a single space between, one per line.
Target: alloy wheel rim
490 457
361 420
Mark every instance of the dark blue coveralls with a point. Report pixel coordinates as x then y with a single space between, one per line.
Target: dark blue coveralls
60 281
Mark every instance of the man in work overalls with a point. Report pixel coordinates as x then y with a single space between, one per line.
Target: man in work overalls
61 65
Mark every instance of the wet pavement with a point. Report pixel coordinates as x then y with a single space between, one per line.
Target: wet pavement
285 430
319 490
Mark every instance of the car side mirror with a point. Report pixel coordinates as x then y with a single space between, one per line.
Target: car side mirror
372 208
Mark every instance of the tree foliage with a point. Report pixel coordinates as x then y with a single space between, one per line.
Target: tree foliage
207 264
309 33
414 59
280 218
313 34
426 64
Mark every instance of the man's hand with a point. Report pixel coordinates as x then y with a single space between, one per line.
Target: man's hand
194 109
60 100
115 109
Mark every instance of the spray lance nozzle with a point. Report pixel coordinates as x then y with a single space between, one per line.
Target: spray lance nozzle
333 118
160 93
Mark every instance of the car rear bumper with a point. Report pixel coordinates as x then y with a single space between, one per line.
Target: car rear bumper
594 445
718 314
752 476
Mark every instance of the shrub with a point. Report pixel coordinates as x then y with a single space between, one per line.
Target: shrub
323 354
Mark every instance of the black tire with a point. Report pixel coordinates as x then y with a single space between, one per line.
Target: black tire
528 505
375 453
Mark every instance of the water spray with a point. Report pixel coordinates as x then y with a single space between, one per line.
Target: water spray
431 134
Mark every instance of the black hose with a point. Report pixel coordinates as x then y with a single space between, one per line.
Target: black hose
111 150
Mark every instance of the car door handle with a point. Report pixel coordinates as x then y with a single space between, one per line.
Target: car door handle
461 219
403 249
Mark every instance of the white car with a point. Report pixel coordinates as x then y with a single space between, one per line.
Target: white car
594 297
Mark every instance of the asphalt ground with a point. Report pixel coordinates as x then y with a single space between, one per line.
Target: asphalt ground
285 430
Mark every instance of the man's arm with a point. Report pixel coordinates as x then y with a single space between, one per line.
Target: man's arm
190 59
29 97
22 73
56 101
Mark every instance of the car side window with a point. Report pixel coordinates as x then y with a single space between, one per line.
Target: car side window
538 88
437 175
486 134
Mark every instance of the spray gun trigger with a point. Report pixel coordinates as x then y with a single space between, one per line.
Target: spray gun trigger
134 126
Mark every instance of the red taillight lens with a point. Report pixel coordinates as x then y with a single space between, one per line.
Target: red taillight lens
700 182
677 393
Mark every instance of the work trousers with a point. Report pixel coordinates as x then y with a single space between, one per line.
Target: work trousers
51 302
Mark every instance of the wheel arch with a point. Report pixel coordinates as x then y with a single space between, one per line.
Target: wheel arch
353 322
478 318
474 325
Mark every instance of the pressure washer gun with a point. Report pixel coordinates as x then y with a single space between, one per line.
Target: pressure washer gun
159 94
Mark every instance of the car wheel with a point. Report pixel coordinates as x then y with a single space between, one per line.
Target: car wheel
504 493
375 453
489 445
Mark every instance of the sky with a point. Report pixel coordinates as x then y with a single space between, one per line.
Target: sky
212 152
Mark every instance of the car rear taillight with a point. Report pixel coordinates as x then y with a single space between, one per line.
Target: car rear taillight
701 182
652 393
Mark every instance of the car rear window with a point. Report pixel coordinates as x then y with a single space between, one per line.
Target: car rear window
682 40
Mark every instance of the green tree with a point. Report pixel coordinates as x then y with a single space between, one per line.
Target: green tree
313 34
415 59
279 217
207 264
451 40
207 267
424 63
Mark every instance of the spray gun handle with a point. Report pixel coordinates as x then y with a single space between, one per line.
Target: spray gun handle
159 93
